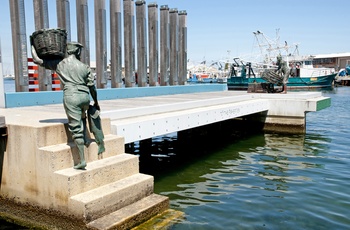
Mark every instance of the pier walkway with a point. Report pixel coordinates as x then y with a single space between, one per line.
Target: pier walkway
36 167
145 117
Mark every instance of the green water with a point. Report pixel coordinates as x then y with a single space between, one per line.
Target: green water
267 181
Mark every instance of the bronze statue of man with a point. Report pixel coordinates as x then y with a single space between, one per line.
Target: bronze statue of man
284 71
278 76
77 81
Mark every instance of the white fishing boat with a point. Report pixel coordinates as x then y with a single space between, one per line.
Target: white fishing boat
303 75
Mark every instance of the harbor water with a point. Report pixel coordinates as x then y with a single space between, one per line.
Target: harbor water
259 181
265 181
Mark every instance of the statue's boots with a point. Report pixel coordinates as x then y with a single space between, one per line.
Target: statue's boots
284 89
80 145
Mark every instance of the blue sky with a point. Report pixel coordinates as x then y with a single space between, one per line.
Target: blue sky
214 27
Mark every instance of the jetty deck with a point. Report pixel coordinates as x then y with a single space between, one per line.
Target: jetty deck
145 117
111 192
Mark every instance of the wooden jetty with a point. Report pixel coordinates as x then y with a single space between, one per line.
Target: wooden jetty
112 193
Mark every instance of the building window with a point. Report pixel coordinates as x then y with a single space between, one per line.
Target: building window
323 61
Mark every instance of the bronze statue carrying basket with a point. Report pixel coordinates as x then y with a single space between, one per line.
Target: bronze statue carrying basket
50 43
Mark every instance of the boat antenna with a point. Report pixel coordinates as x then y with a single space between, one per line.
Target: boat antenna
270 48
296 50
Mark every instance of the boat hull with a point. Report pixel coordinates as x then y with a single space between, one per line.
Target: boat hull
241 83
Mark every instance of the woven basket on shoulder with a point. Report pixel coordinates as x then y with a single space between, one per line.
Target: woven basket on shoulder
50 43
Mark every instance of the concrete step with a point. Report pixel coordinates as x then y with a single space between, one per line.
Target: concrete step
109 198
132 215
62 156
70 182
58 133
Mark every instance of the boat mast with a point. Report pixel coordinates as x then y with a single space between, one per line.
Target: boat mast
270 48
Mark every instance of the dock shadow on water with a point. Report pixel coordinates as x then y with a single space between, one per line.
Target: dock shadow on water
177 150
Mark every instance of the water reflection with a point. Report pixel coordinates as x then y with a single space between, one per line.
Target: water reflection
195 178
283 157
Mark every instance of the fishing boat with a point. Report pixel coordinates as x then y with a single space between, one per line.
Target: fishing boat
303 75
201 78
203 74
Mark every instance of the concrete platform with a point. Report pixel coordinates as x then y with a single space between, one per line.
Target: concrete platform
157 115
39 156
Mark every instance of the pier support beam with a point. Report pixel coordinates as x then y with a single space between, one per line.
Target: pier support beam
164 46
101 44
282 124
19 44
153 43
285 116
63 16
41 15
182 47
141 43
274 124
174 46
83 29
129 43
116 44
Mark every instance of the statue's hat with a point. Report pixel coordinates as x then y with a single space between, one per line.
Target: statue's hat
73 47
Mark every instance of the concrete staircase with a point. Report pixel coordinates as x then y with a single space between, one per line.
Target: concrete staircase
110 194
